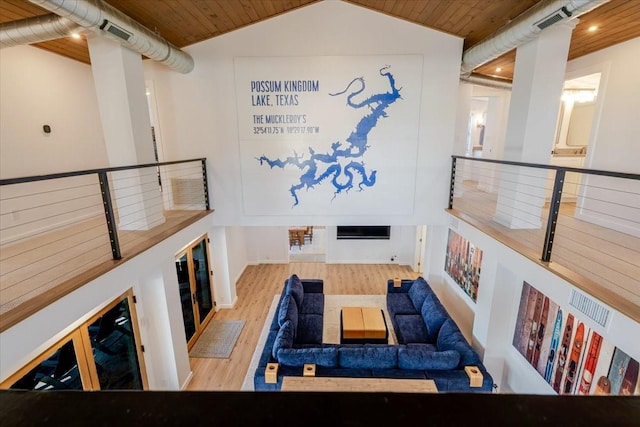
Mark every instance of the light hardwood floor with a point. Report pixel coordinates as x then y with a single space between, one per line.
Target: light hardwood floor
256 288
602 261
38 270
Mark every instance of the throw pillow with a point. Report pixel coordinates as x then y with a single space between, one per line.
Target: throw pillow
426 356
434 315
450 338
295 289
288 311
284 338
418 292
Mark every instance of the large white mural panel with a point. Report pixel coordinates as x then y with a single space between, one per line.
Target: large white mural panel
331 135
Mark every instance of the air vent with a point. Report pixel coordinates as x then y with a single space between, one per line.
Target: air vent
589 307
115 30
556 16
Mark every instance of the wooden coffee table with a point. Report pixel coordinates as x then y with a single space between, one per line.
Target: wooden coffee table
363 325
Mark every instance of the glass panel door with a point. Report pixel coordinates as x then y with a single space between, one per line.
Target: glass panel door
196 294
184 284
59 371
204 296
114 349
102 353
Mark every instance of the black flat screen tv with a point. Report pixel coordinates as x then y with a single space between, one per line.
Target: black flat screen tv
364 232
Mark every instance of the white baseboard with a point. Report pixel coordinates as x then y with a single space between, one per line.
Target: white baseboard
273 261
233 303
235 281
362 261
187 381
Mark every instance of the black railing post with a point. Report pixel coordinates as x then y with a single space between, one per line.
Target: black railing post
204 183
453 182
108 212
554 208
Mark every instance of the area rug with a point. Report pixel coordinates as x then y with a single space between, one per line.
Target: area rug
330 327
218 339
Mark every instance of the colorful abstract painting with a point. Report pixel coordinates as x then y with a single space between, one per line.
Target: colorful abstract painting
462 263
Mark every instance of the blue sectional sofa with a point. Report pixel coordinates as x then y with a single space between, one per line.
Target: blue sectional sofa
421 323
295 339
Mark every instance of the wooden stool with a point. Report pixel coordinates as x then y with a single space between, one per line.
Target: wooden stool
475 376
309 370
271 373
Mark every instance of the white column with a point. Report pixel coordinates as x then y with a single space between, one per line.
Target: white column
120 87
535 99
465 91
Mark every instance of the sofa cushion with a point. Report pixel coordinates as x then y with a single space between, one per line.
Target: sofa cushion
288 311
312 304
321 356
411 329
450 338
434 315
294 288
418 292
284 338
368 356
309 329
400 303
426 356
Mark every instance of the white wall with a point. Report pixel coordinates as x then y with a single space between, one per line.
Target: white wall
494 315
38 88
400 246
238 256
615 134
267 245
617 121
41 88
198 114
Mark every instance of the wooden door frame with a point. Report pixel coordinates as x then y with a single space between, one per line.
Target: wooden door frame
200 324
83 350
84 329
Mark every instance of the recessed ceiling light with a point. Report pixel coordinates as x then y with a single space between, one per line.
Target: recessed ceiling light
75 36
498 69
593 28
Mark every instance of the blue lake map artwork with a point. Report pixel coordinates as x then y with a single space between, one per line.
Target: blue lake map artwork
343 165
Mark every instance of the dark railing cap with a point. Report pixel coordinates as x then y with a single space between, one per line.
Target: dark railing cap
90 171
552 167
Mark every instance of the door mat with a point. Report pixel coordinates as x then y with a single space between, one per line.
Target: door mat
218 339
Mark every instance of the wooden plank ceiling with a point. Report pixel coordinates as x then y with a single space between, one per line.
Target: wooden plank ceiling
184 22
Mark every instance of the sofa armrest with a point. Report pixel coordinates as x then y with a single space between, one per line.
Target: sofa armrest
312 286
405 285
457 380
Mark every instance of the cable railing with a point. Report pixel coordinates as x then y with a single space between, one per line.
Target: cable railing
55 227
584 221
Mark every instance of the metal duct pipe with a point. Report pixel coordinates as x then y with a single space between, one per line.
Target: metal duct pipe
109 21
35 30
484 81
524 28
